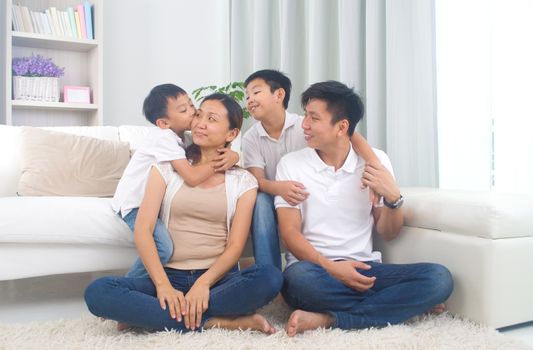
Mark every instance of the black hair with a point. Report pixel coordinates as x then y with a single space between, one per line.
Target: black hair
235 118
276 80
155 104
343 102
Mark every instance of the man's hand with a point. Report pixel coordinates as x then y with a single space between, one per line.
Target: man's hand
226 159
380 180
345 271
177 305
197 301
293 192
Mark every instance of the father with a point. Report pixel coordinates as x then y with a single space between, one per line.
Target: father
334 278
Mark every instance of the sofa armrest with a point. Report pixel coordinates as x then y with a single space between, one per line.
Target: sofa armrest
481 214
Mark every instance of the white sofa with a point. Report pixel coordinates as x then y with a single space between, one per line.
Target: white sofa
486 240
54 235
42 236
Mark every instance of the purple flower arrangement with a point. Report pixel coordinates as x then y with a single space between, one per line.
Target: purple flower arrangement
36 66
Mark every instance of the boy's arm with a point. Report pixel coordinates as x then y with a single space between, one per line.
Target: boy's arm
362 148
192 175
292 191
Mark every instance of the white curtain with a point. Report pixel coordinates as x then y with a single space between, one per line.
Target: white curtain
382 48
485 55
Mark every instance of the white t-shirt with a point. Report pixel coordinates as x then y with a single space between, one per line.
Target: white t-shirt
160 145
337 216
262 151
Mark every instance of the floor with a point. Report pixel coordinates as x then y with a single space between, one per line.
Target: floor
61 296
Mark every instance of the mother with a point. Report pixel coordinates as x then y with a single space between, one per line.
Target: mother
201 286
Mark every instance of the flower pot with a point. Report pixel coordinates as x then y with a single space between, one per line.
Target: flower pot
36 88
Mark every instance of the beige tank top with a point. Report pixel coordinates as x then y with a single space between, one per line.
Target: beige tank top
197 226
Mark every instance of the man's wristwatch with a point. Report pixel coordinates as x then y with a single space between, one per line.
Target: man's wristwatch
394 205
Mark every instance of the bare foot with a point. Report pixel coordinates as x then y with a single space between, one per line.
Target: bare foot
254 322
301 321
122 326
438 309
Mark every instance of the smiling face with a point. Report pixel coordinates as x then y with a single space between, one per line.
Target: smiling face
179 114
318 130
210 127
261 101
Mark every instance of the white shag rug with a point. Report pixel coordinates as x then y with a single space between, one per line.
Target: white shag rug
428 332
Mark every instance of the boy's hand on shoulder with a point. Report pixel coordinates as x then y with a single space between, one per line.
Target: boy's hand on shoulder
381 181
225 159
292 192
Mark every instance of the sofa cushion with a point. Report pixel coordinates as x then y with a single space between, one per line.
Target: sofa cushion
481 214
62 220
59 164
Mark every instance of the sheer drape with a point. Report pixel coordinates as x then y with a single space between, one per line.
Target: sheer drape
384 49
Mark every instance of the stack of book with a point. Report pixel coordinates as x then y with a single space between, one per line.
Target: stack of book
74 22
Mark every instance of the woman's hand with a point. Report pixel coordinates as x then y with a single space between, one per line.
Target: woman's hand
177 306
197 300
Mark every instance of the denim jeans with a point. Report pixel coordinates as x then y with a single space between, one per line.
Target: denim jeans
134 300
399 293
265 239
163 243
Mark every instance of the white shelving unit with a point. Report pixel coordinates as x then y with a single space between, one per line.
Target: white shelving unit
82 59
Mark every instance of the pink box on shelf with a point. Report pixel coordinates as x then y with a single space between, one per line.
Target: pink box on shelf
77 94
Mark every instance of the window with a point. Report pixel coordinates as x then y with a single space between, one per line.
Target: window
485 94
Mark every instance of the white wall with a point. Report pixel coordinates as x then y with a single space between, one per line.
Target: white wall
160 41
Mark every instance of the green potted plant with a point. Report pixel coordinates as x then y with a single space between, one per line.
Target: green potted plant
234 89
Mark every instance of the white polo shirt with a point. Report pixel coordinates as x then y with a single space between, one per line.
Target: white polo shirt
262 151
337 216
160 145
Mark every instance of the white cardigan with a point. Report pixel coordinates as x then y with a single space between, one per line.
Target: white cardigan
237 180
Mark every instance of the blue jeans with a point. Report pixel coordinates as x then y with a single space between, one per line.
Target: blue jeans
399 293
265 239
163 243
134 300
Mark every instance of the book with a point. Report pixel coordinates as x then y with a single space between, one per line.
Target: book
88 19
83 27
44 23
39 20
55 20
72 20
66 21
61 24
33 23
17 19
26 19
78 26
49 20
